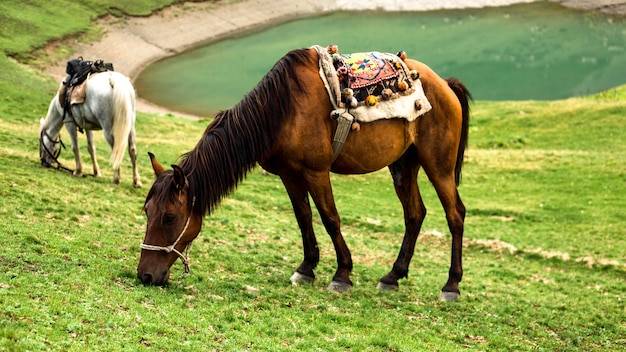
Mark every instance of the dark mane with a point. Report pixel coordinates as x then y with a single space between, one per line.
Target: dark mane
237 138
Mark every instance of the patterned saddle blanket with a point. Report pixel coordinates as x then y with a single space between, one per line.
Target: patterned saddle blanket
371 73
371 86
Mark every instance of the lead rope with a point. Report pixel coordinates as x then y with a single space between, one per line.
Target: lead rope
184 258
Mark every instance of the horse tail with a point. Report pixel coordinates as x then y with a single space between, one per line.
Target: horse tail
464 96
123 116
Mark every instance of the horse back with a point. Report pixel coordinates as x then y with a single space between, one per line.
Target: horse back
306 138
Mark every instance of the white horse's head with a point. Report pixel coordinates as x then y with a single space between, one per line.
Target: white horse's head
49 148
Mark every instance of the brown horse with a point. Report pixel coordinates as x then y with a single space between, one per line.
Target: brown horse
284 125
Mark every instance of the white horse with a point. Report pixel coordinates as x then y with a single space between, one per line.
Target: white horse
109 106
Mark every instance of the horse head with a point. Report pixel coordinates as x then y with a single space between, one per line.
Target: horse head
171 225
49 147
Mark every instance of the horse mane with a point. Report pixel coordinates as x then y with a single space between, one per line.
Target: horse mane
238 137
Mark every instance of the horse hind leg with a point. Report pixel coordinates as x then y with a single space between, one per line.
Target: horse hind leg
91 147
116 176
132 151
116 171
455 214
454 208
404 173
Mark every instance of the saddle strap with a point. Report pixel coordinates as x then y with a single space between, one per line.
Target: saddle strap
344 125
328 74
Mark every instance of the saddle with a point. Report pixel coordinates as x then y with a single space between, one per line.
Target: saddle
366 87
73 89
373 73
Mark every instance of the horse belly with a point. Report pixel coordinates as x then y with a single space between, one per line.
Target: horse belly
375 146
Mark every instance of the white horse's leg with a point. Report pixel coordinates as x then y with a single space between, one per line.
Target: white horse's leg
132 151
116 176
91 147
71 130
110 139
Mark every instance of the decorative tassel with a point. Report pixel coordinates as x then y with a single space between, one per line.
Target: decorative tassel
418 105
415 75
403 86
371 100
348 95
387 94
332 49
402 55
356 126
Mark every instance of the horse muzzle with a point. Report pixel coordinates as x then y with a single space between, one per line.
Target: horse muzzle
153 279
45 163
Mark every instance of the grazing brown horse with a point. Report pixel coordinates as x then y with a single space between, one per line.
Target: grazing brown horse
284 125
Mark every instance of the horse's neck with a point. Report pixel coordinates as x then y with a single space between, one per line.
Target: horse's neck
54 119
216 166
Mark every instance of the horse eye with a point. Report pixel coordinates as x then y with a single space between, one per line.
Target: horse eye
169 219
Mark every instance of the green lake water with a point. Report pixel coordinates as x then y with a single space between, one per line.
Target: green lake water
538 51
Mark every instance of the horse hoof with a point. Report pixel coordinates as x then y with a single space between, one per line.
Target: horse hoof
386 287
339 287
137 185
298 278
449 296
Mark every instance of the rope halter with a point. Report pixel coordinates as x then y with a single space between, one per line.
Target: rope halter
171 248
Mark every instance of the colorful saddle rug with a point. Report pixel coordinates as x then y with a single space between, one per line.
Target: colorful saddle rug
371 86
370 73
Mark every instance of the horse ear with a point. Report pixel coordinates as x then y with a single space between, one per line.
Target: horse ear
179 178
158 169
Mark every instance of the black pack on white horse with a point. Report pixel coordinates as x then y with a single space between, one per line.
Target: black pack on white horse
109 105
287 124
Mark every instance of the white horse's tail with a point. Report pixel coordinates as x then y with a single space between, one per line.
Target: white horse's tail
123 116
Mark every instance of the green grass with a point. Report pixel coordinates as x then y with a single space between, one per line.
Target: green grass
546 178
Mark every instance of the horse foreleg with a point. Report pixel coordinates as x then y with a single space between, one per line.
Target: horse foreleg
71 130
132 151
405 184
91 147
321 191
302 209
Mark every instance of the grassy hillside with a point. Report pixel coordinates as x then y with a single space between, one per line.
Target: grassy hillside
544 185
27 25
